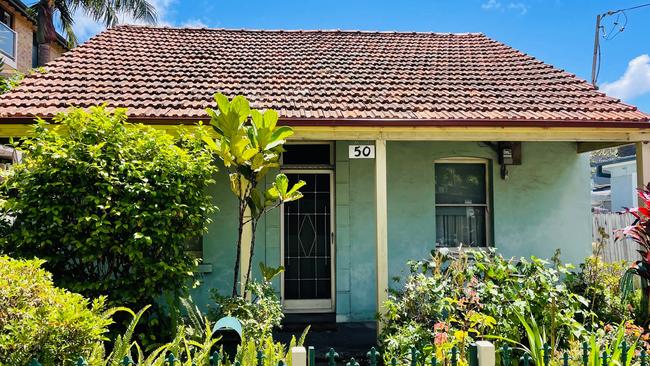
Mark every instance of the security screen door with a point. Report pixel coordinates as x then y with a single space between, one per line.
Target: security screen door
307 243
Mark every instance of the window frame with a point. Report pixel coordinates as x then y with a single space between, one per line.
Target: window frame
6 12
331 145
10 60
488 201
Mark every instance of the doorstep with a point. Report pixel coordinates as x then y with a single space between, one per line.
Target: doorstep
353 339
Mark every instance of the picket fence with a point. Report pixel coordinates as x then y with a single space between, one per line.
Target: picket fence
506 357
614 250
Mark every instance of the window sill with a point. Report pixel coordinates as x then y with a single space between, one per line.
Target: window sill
459 250
9 61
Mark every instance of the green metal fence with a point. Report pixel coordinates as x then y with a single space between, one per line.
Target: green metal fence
505 357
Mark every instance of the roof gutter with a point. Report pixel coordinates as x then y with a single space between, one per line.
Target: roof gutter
378 122
373 122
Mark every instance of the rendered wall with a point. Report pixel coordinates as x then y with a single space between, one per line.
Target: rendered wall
544 205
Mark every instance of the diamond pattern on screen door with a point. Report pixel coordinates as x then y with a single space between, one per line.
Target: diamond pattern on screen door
307 229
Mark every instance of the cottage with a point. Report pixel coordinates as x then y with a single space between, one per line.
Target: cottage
408 142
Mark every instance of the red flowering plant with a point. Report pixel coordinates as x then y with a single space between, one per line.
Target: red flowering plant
639 232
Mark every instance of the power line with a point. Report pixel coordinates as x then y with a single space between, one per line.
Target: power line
617 29
631 8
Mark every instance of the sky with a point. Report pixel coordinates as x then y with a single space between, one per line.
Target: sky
558 32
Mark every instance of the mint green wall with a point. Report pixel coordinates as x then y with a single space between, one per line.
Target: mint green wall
219 244
356 266
544 205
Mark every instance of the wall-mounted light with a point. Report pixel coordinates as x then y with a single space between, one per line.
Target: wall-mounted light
509 154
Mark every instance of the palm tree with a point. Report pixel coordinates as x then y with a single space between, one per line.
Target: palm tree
105 11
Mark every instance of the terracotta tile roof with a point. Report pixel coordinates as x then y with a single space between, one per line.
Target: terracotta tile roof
329 77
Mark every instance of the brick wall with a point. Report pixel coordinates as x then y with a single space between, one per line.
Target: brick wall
25 31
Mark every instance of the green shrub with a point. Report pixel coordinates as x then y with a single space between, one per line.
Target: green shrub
110 206
43 321
259 314
598 282
450 300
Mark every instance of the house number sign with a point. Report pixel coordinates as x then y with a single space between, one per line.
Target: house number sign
362 152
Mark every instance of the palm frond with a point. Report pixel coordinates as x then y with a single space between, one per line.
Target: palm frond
139 9
67 21
109 11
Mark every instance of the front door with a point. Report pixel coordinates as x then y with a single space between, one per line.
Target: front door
307 244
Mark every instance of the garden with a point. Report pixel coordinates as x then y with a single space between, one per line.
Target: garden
95 266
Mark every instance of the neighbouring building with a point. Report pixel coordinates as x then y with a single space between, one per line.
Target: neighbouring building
18 47
614 181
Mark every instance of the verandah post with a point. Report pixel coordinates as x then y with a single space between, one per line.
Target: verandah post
381 204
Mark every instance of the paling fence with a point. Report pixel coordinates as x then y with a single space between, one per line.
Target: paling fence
477 354
613 250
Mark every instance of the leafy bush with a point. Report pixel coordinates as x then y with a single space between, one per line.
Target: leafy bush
598 282
43 321
639 232
259 314
109 205
450 300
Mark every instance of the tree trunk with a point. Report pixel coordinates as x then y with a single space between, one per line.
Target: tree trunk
46 34
250 257
44 53
242 210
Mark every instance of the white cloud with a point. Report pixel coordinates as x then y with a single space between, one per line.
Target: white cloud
86 27
634 82
194 23
519 7
491 4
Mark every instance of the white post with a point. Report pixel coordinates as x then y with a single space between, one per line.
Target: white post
381 203
486 353
642 164
298 356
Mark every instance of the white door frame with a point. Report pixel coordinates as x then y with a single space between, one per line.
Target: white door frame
316 305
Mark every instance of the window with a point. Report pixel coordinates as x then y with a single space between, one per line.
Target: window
7 36
5 17
194 247
301 154
462 203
